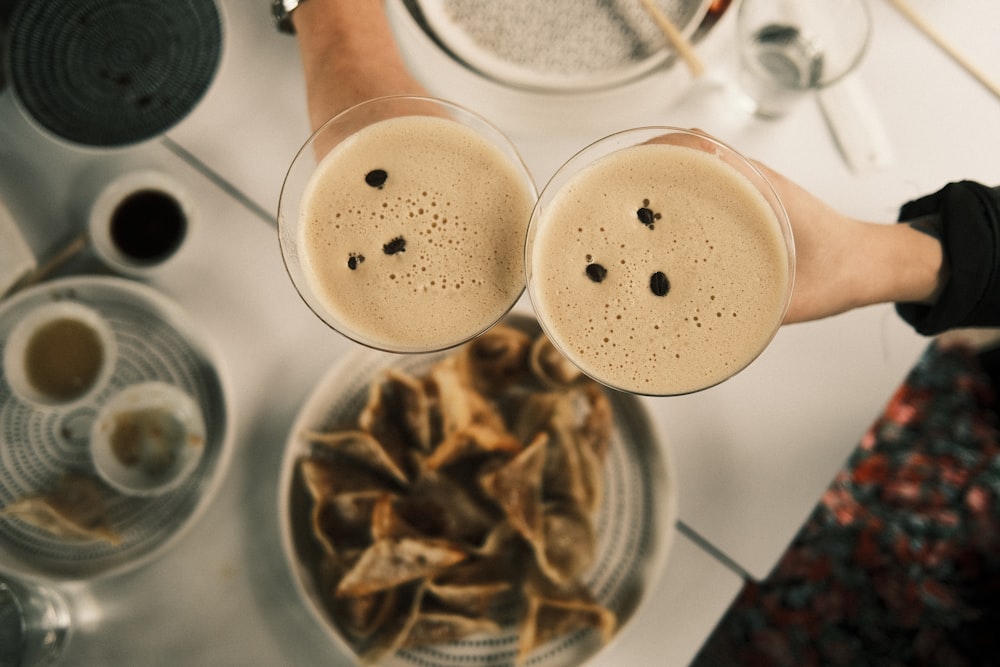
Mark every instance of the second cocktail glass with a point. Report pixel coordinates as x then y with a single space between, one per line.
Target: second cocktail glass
659 261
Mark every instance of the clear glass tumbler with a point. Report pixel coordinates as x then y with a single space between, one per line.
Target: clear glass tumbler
790 47
34 623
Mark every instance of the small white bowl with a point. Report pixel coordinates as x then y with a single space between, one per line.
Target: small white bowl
52 369
172 194
147 439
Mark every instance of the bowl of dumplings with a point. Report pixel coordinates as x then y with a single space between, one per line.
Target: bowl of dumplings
485 505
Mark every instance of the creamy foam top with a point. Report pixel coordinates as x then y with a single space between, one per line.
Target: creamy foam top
659 269
413 232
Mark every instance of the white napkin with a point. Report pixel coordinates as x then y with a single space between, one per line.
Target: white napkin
856 125
16 258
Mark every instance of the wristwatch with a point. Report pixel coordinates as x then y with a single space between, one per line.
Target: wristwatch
281 10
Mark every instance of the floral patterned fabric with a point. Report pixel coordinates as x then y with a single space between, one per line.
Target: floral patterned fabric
899 563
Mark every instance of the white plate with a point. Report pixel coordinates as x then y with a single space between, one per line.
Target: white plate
556 45
155 340
635 522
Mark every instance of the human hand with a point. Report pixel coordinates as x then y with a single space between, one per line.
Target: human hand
826 247
842 263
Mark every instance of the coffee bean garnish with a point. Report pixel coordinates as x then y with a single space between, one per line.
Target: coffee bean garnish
646 215
376 178
394 246
659 284
596 272
354 260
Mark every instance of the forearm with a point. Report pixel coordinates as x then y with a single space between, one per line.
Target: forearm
349 55
898 264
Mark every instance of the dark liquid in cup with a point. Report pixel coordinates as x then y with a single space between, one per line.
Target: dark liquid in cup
148 226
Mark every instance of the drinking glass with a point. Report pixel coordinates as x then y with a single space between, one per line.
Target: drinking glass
421 247
790 47
34 623
659 261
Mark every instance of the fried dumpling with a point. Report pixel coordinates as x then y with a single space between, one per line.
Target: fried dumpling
473 586
437 510
534 413
343 522
440 506
472 426
361 446
343 494
598 422
397 415
74 510
388 522
495 360
573 472
573 469
474 599
568 543
503 543
550 366
390 635
473 440
444 627
517 488
391 562
325 477
550 616
584 409
403 398
361 616
458 403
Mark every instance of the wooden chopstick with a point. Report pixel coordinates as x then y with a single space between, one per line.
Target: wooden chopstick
923 26
676 39
64 254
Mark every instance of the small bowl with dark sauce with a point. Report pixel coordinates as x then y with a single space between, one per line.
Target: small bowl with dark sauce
139 221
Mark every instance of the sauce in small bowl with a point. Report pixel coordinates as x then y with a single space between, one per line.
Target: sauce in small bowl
59 356
148 439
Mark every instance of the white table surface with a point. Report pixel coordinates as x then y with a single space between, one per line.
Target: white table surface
752 455
755 453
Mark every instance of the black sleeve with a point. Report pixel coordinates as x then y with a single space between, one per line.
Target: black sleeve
970 237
